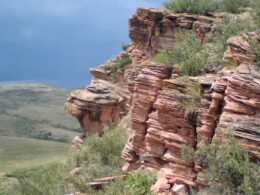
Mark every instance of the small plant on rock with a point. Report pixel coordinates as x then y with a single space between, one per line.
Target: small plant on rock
125 46
163 57
193 95
123 62
255 50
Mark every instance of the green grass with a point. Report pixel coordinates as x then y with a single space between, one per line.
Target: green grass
17 152
34 111
31 114
99 157
204 6
191 6
256 11
135 184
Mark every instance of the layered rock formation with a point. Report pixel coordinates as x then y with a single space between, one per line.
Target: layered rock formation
170 113
153 30
242 101
100 104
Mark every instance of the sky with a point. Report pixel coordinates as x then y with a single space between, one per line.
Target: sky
57 41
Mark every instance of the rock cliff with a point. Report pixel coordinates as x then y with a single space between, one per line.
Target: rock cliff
156 93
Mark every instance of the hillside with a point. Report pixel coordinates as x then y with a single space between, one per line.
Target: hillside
34 128
35 111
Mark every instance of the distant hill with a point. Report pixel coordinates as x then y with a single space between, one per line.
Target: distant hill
35 111
34 127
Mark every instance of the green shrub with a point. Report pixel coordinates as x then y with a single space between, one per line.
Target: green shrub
125 46
228 166
255 50
112 78
231 27
138 183
99 158
39 180
123 62
193 95
187 55
204 6
191 6
256 12
187 154
233 6
163 57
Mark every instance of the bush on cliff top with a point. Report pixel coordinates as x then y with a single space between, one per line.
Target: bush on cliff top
188 55
191 6
228 167
205 6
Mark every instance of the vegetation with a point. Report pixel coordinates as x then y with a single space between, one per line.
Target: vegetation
125 46
193 58
188 55
119 65
233 6
31 132
39 180
227 167
193 95
255 50
232 26
163 57
136 183
191 6
35 111
98 158
256 12
123 62
205 6
25 152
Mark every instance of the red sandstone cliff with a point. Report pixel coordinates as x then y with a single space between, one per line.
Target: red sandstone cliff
230 99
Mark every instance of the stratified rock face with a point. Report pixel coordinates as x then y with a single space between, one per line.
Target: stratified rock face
161 126
230 99
242 108
241 112
152 30
98 105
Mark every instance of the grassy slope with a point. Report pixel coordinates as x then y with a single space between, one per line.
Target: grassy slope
30 113
35 111
25 152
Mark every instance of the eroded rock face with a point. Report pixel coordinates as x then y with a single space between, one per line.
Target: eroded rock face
100 104
161 126
242 108
153 30
230 99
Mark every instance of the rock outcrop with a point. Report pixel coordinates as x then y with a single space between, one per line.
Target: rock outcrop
170 113
153 30
100 104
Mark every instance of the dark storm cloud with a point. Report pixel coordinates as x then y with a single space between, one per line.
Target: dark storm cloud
58 40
